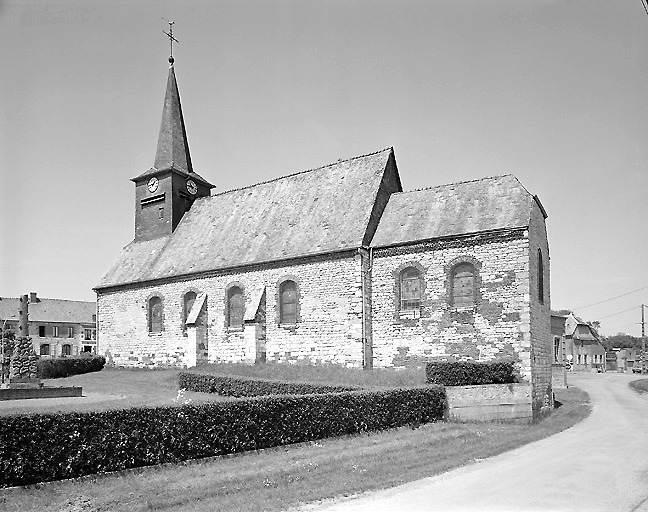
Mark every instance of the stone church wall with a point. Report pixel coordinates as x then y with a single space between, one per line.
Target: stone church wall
497 326
540 314
329 328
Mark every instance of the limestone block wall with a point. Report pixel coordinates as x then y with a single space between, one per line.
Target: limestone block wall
329 327
498 326
540 312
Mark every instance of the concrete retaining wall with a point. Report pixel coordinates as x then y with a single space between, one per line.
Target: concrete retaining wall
558 376
490 402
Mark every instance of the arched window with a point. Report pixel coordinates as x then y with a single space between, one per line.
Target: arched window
463 285
410 289
540 278
155 314
235 307
66 350
44 349
288 302
188 302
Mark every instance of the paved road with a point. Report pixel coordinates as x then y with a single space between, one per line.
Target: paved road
601 464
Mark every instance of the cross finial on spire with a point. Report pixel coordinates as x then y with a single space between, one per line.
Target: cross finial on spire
169 34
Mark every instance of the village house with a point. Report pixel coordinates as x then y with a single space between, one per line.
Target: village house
57 327
576 343
336 264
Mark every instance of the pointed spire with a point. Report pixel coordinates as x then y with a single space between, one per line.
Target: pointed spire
172 148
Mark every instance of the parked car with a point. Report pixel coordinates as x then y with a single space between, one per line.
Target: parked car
636 369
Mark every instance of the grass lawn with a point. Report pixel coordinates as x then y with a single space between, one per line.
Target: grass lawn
327 374
111 388
640 386
289 476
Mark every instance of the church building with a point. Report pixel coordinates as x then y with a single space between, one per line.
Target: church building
336 264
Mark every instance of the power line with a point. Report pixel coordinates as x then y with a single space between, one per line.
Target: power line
645 6
618 313
612 298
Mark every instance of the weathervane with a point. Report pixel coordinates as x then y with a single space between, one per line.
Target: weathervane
169 34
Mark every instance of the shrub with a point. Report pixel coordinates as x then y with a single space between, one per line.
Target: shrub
36 448
470 373
68 366
243 386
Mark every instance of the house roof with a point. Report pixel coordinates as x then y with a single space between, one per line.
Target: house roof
50 310
317 211
573 326
461 208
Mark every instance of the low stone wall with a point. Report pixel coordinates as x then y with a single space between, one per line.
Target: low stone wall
490 402
44 392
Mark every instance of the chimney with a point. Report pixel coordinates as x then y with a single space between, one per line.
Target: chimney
33 299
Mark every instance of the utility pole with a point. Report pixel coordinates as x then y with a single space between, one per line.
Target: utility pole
643 341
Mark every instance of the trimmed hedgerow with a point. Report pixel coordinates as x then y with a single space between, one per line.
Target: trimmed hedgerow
469 373
44 447
244 386
68 366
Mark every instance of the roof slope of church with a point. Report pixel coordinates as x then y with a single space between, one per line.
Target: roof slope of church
322 210
50 310
457 209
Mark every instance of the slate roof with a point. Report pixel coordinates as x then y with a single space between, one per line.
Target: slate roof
321 210
50 310
461 208
172 151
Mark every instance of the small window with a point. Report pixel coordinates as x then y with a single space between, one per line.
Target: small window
463 285
41 332
161 212
288 302
410 289
540 278
94 334
556 349
70 332
66 350
44 349
155 314
235 307
87 334
189 299
55 331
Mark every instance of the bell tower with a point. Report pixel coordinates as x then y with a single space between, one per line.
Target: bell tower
168 189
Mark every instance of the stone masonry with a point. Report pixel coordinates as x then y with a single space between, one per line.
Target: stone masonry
329 327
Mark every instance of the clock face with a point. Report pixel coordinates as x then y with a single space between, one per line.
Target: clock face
152 184
192 188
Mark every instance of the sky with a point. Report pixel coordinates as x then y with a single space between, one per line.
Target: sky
554 92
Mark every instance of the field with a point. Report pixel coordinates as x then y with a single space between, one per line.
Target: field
281 478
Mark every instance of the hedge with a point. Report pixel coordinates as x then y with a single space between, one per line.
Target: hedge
470 373
43 447
68 366
247 387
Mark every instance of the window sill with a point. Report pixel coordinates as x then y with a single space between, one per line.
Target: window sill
409 314
289 326
460 309
234 329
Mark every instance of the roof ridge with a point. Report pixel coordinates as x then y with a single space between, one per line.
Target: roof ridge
457 183
47 298
391 148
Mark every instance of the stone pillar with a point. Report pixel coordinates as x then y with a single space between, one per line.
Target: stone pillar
190 354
